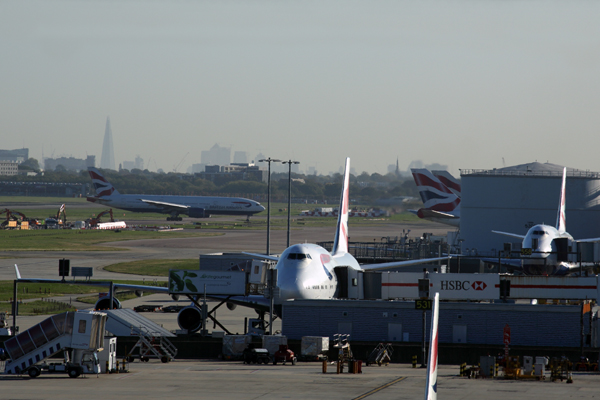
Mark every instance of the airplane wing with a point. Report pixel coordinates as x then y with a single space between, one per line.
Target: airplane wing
263 256
395 264
252 301
164 204
428 213
591 240
156 289
512 262
510 234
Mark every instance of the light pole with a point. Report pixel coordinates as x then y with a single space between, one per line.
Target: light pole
269 161
289 163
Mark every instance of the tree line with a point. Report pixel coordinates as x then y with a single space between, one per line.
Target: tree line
365 188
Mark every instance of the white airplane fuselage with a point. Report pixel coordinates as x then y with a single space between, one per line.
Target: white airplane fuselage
539 252
306 271
211 205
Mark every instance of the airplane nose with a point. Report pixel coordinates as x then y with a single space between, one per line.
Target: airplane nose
260 207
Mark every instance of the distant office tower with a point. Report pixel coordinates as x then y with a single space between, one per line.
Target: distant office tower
217 155
108 153
240 157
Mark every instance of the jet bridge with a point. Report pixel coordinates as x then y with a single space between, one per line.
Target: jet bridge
81 330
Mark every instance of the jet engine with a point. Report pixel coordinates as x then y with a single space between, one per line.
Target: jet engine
231 306
190 318
104 303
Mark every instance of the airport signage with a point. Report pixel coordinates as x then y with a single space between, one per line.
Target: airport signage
423 305
450 286
198 282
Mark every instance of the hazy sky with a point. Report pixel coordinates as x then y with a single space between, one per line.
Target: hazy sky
462 83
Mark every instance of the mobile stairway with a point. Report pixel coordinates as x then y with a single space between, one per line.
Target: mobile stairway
153 339
80 331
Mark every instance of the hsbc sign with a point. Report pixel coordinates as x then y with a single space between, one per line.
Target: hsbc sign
462 285
450 286
465 286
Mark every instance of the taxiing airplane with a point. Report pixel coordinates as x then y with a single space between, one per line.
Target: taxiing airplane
192 206
304 271
547 250
440 204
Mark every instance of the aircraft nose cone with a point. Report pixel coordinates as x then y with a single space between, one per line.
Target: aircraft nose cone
290 290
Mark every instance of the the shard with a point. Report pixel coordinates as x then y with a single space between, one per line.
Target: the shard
108 153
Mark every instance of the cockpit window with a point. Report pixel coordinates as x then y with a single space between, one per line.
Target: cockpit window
298 256
540 233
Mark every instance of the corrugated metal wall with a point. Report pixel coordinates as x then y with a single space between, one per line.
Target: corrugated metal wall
514 203
531 325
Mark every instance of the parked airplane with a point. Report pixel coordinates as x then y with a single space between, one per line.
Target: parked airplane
193 206
304 271
547 250
440 204
431 384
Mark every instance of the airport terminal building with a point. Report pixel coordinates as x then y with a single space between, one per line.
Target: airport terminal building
513 199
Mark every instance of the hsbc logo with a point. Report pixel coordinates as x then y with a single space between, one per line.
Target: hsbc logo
462 285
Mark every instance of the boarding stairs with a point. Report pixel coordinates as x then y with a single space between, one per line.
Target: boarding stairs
150 346
53 335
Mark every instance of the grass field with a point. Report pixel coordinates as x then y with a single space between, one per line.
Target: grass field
152 267
38 307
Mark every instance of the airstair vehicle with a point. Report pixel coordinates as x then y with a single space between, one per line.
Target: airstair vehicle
79 334
153 339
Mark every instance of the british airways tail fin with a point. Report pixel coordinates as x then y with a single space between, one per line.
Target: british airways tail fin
435 195
340 245
102 186
432 364
561 219
449 181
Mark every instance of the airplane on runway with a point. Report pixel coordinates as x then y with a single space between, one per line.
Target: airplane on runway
545 249
304 271
440 203
193 206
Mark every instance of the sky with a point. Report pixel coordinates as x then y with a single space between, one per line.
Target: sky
468 84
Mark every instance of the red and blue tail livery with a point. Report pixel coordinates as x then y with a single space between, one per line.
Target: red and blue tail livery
440 203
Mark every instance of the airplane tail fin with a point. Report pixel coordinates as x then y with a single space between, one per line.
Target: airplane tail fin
449 181
435 195
432 364
340 245
102 186
561 218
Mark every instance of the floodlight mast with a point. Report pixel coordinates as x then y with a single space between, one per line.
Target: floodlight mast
289 162
269 161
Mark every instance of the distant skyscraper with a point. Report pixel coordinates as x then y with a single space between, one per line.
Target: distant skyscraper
240 157
108 153
217 155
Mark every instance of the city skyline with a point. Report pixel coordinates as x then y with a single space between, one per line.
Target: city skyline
469 85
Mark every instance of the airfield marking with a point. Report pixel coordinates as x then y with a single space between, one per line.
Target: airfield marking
379 388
